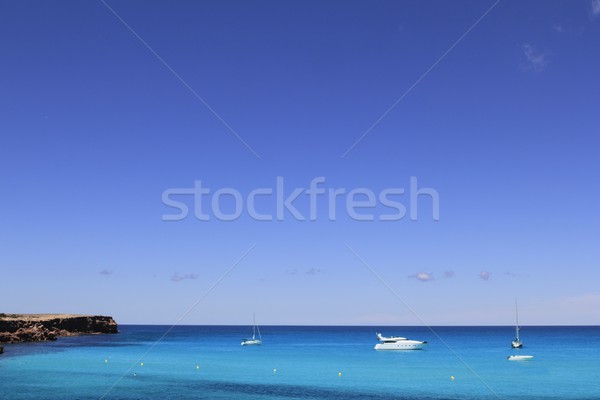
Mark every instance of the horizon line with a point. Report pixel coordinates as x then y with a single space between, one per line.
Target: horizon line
367 326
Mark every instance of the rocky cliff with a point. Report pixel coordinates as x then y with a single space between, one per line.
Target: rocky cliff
37 327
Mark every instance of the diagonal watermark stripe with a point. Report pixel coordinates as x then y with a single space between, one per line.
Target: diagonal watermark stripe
380 279
180 79
210 289
423 75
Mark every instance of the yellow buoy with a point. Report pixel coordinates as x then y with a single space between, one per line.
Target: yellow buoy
141 364
452 377
105 360
339 374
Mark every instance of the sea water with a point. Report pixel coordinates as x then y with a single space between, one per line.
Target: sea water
296 362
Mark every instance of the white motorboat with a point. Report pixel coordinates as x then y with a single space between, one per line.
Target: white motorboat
516 343
254 341
519 358
398 343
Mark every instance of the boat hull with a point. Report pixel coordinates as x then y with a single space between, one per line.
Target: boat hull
401 345
519 358
252 342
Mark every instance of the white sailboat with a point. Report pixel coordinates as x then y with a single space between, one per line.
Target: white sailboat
254 341
517 343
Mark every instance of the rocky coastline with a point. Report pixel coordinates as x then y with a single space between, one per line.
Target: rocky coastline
16 328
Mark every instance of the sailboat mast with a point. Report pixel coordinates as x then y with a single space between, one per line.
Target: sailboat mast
254 327
517 318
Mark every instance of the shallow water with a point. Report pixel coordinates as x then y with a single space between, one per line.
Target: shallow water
207 362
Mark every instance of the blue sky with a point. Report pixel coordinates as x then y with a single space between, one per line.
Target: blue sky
94 127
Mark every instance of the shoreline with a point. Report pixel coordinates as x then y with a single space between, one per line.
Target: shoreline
22 328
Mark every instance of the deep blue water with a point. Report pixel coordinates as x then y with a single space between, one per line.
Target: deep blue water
207 362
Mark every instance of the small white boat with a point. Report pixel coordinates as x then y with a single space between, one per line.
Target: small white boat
517 343
398 343
254 341
519 358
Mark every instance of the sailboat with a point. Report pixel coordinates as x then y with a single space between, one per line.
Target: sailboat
254 341
517 343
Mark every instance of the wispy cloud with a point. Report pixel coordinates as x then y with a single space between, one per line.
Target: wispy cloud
536 60
312 271
485 275
449 274
105 272
595 7
558 27
423 276
178 278
511 274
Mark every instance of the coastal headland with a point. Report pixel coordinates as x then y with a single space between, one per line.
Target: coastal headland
16 328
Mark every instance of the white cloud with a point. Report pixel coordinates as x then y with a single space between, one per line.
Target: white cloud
423 276
313 271
485 275
595 7
178 278
536 60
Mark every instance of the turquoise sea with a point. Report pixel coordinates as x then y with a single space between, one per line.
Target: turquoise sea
296 362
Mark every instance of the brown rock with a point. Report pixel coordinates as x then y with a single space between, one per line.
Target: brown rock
39 327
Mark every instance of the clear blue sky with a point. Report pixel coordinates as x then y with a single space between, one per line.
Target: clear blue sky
93 128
